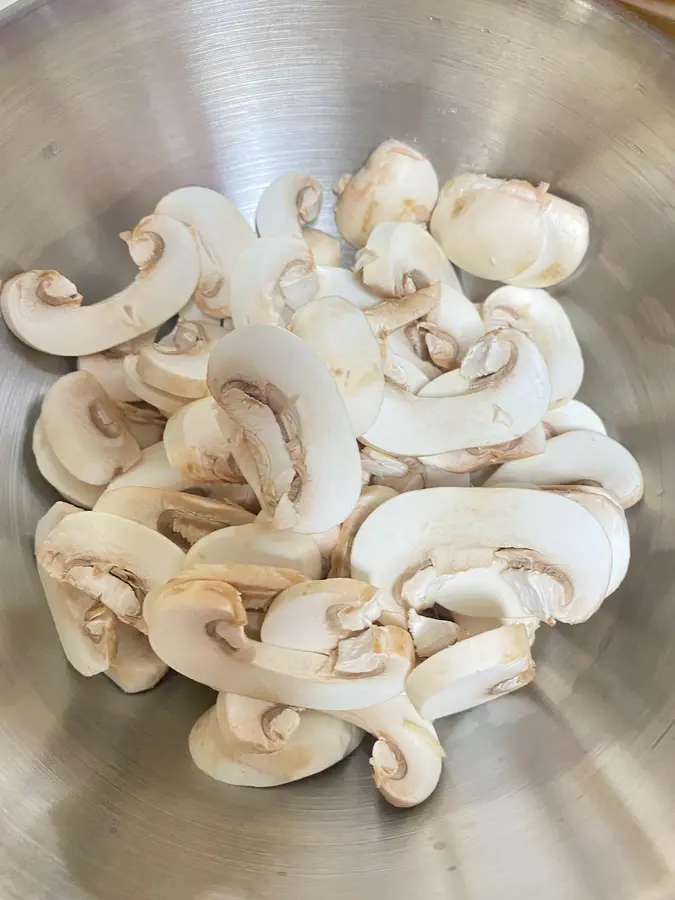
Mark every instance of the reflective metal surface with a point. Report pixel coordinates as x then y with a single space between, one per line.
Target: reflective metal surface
565 791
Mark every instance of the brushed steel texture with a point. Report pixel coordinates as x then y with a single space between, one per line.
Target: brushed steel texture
564 791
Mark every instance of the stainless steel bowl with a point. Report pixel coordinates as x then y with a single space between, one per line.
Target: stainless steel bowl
564 791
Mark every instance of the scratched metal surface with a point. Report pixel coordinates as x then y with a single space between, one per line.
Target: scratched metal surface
564 791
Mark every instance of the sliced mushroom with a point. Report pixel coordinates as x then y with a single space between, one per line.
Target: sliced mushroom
318 742
144 421
395 184
271 279
531 443
499 393
192 626
165 402
342 338
431 635
544 320
256 544
325 248
391 315
58 476
405 355
196 446
317 615
44 309
495 552
223 234
335 281
370 499
176 364
107 368
400 258
471 672
473 625
293 440
573 416
289 202
136 667
113 560
257 585
184 518
579 457
457 318
255 726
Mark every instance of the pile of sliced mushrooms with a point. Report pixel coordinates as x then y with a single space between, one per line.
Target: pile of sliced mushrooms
344 499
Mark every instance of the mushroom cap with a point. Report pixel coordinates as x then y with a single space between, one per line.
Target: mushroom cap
573 416
266 356
471 672
395 184
176 364
86 430
257 544
326 249
43 308
335 281
341 337
287 203
162 400
371 497
402 534
500 392
544 320
579 457
136 667
57 475
196 446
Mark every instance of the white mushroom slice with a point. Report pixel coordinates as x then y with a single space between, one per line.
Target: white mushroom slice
401 258
44 309
395 184
457 317
107 367
257 544
196 446
408 369
391 315
326 541
407 757
432 635
579 457
272 278
184 518
473 625
338 282
289 202
319 742
544 549
499 393
114 560
509 231
58 476
325 248
471 672
136 667
257 585
190 626
177 363
223 234
144 421
342 338
161 400
544 320
280 373
531 443
370 499
573 416
316 615
86 430
86 629
255 726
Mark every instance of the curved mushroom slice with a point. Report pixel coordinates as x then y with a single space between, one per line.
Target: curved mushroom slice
58 476
256 544
544 320
272 278
184 518
341 337
316 744
335 281
407 757
431 635
325 248
395 184
370 499
472 672
86 629
136 667
547 556
317 615
401 258
165 402
113 560
509 231
44 309
196 446
293 439
223 234
289 202
573 416
192 626
86 430
500 392
176 364
532 443
579 457
144 421
257 585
